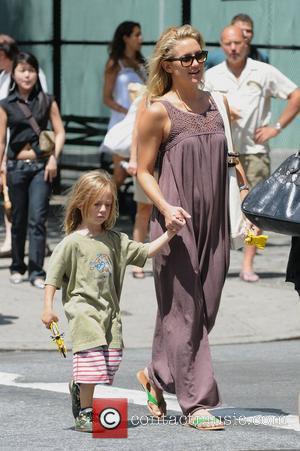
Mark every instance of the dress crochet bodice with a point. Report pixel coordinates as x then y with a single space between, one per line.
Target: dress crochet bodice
185 124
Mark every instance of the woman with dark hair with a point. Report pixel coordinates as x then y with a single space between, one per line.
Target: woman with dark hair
29 172
125 65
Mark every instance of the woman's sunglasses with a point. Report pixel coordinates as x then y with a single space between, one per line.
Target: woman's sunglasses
187 60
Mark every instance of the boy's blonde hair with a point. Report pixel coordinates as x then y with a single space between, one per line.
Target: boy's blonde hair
83 193
160 81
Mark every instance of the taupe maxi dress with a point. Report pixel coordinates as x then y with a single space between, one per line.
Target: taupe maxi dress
190 273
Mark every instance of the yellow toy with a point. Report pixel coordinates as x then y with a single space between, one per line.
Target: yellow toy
258 241
57 337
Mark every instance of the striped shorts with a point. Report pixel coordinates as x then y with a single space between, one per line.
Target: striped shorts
96 365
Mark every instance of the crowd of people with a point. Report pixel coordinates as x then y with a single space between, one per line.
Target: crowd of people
178 151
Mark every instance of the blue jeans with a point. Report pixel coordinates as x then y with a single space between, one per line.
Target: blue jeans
29 195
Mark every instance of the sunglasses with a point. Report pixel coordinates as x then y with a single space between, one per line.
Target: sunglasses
187 60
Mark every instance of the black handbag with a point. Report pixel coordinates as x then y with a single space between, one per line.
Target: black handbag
274 204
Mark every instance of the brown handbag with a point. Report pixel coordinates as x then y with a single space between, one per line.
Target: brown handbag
46 137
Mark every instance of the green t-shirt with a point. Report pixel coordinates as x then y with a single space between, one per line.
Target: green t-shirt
90 271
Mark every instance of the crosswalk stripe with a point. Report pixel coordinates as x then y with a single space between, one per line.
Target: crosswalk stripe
138 397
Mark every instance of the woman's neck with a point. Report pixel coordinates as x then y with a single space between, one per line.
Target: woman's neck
187 94
130 55
24 93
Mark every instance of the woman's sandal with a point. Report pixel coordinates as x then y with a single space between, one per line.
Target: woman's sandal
205 423
161 404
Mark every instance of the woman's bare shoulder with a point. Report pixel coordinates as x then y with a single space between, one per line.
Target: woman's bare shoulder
156 108
111 66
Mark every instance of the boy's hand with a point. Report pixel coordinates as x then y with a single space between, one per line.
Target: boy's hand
48 316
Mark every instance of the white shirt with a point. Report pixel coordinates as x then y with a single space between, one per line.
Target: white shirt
5 80
250 95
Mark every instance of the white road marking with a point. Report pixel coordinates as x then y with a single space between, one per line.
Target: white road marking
138 397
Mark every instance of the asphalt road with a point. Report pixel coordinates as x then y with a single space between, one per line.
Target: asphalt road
259 384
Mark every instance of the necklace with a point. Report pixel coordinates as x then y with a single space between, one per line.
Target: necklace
189 109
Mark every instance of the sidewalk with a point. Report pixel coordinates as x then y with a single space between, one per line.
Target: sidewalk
268 310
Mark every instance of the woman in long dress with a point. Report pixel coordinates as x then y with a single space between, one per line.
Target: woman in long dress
182 134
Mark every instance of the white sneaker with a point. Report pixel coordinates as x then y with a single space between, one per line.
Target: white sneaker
16 278
38 283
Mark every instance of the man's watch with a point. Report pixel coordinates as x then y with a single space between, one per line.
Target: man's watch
278 127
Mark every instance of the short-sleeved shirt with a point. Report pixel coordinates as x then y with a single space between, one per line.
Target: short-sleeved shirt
90 271
21 131
250 95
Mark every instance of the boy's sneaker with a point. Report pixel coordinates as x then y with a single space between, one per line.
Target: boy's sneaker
75 395
84 421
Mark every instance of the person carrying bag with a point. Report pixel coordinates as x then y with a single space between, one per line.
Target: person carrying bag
46 137
30 165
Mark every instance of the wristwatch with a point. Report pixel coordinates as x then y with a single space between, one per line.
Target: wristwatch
278 127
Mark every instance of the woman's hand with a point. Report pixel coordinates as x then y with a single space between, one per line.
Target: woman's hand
248 226
175 218
48 316
50 169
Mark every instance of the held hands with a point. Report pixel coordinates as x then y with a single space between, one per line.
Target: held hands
48 316
175 218
50 169
263 134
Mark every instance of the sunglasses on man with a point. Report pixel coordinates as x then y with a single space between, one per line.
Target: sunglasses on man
187 60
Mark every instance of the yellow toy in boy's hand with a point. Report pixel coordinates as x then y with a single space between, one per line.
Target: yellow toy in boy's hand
57 337
258 241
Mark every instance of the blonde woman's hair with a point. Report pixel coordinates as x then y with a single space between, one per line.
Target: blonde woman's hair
160 81
87 188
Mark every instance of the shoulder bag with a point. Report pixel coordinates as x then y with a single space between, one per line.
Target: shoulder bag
46 137
274 204
236 218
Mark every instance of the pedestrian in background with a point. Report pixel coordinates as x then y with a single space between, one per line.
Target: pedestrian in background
143 203
249 86
8 50
246 24
182 134
29 173
125 65
90 265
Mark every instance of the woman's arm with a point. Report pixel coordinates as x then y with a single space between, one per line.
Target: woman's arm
151 127
48 315
110 75
132 164
58 127
3 128
242 180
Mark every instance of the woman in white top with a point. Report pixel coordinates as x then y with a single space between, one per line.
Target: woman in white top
125 65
